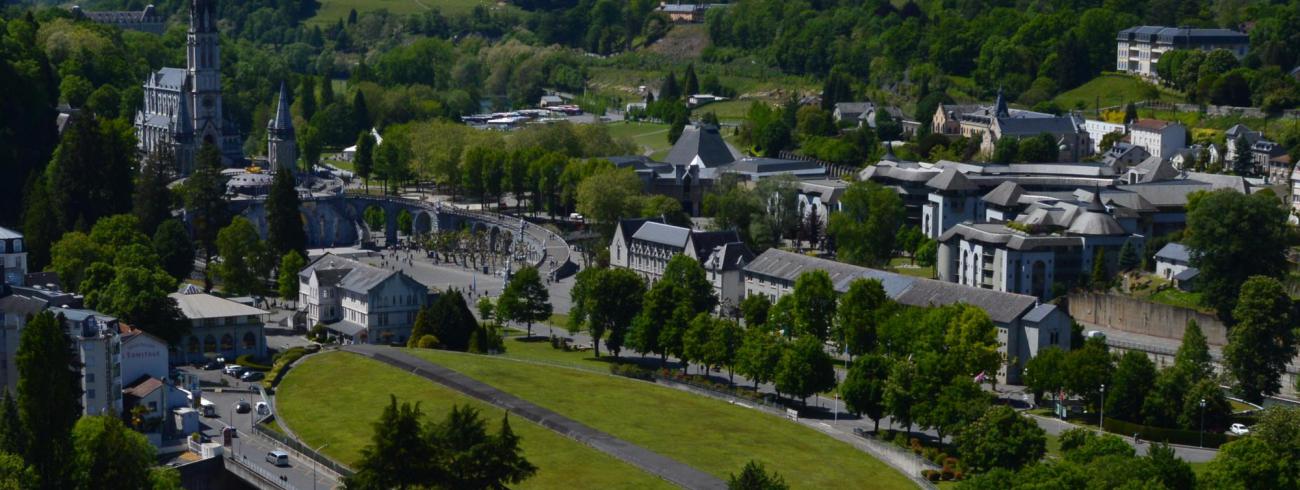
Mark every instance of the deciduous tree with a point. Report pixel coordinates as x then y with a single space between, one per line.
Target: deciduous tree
865 227
863 388
109 455
525 299
49 399
1001 438
1262 341
1232 237
814 304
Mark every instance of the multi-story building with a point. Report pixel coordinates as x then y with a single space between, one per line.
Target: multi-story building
218 327
95 339
1049 246
13 258
1239 132
646 245
1139 48
1024 325
15 309
147 20
182 108
990 123
1160 138
1097 130
358 302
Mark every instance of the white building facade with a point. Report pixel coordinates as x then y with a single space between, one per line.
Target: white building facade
360 303
1160 138
219 328
1138 49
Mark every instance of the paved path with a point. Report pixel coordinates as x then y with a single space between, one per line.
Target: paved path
654 463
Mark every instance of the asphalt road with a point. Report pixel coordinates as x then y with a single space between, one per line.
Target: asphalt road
250 447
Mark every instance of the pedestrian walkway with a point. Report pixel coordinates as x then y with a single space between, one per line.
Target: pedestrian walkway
652 462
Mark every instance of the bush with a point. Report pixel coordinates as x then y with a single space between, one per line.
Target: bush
931 475
931 454
916 446
318 333
949 462
247 361
427 342
632 371
947 474
283 360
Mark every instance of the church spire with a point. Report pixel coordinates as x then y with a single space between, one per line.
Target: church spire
183 123
283 121
1000 107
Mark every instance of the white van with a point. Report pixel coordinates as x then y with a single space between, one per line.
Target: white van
278 458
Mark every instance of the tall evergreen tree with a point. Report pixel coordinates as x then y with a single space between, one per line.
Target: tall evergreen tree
365 157
49 398
174 248
326 90
307 98
285 231
689 80
91 174
243 266
754 477
1242 163
40 228
153 200
360 112
203 203
1128 257
669 91
1194 353
13 435
398 456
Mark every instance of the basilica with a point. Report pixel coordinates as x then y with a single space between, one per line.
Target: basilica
182 106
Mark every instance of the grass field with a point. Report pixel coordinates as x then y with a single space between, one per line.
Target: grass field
332 10
1112 90
713 436
903 265
334 398
651 137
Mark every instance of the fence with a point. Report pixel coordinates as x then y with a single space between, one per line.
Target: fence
902 459
301 448
832 170
262 473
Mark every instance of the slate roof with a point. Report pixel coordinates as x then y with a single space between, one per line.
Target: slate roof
729 256
7 234
283 120
357 277
705 241
346 327
1033 126
173 78
21 306
1002 307
1094 220
143 387
1155 169
705 142
951 180
202 305
771 165
851 110
629 227
1187 274
1040 312
673 236
1174 252
1005 194
1156 125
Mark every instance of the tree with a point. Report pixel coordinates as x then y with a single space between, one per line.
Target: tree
138 296
364 160
1248 463
754 477
285 231
204 205
72 255
360 110
174 248
49 398
805 369
467 457
1128 257
525 299
971 340
1001 438
39 230
243 258
1262 341
1233 236
863 388
955 406
1046 372
290 264
1130 113
1087 369
92 173
689 82
13 435
398 456
754 310
610 303
609 195
865 227
109 455
1193 355
16 474
1242 163
814 304
1172 471
695 342
307 98
153 200
724 345
1100 279
857 316
669 91
1134 377
1215 416
759 354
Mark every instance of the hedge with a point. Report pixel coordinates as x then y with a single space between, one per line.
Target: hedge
632 371
1172 436
247 361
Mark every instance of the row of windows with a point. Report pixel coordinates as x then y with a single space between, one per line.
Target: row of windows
15 244
209 344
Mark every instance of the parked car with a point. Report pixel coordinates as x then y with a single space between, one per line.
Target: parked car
278 458
263 408
242 406
252 376
234 370
1239 429
212 365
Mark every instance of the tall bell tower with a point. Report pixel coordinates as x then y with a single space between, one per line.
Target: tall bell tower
203 65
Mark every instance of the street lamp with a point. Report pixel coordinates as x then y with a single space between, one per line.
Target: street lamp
1103 407
1202 444
314 463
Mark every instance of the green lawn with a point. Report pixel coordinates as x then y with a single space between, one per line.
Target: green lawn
334 398
727 109
543 352
903 265
648 136
711 435
1112 90
332 10
1178 297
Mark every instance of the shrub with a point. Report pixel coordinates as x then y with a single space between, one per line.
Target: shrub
283 360
930 454
947 474
632 371
427 342
916 446
931 475
318 333
949 462
958 475
247 361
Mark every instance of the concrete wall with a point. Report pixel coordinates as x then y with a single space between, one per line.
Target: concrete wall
1142 317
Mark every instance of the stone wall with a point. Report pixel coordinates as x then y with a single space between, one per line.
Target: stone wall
1142 317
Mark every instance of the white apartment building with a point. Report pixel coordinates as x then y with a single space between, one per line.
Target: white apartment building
1099 129
13 257
1139 48
95 338
1160 138
645 246
358 302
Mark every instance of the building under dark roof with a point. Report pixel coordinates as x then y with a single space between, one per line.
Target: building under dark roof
701 145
